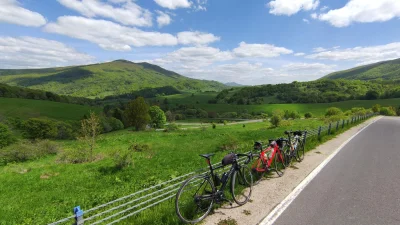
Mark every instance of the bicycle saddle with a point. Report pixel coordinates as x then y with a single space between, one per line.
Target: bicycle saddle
207 156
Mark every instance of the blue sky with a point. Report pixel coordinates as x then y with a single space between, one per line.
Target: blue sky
248 42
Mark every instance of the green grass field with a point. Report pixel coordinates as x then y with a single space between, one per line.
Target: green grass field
26 198
27 108
317 109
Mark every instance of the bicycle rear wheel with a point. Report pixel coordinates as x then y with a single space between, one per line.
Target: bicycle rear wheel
287 156
195 199
241 185
258 169
300 151
279 163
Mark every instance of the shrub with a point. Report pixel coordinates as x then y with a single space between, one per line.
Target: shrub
276 120
65 131
136 147
123 158
376 108
225 122
6 137
278 112
179 117
115 123
27 150
230 143
387 111
308 115
214 125
334 118
74 155
358 111
36 128
171 127
294 115
333 111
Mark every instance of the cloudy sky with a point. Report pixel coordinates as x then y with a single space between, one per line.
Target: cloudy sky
244 41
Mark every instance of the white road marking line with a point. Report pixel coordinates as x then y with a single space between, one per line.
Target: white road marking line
279 209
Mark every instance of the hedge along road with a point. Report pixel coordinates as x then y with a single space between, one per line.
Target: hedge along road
360 185
271 192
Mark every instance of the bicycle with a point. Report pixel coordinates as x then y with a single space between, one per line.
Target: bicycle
272 156
295 147
196 197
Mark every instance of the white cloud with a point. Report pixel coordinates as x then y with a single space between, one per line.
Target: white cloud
306 21
319 49
324 8
12 12
361 54
299 54
200 5
196 38
362 11
314 16
290 7
128 13
308 67
259 50
30 52
174 4
163 19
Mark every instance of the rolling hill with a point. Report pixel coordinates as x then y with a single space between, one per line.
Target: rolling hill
385 70
104 79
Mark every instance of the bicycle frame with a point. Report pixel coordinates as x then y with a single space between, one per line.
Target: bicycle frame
268 162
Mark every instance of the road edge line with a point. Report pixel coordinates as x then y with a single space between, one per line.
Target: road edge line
279 209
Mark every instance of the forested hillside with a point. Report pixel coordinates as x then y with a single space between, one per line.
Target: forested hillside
386 70
321 91
104 79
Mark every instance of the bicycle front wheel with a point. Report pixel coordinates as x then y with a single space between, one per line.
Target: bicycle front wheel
279 163
258 169
241 185
300 151
195 199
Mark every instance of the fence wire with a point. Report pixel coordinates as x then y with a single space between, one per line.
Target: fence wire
122 208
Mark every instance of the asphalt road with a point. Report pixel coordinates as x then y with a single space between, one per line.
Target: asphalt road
359 186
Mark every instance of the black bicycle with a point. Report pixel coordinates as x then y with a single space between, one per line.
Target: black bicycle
295 148
196 197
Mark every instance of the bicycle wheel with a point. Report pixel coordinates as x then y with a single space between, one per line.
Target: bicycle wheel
258 169
241 185
195 199
300 151
279 163
287 156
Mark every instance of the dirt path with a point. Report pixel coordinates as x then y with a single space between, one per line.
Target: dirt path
272 191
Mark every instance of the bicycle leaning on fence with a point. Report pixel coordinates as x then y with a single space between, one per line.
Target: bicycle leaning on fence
270 158
295 147
195 199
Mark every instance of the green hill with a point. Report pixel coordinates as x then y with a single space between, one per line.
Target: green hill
386 70
29 108
104 79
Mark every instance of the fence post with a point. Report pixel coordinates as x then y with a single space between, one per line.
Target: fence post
337 125
78 216
329 129
342 124
319 131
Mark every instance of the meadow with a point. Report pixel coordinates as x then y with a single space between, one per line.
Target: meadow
45 190
28 108
199 100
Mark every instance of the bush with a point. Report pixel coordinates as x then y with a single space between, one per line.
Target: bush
123 158
179 117
333 111
276 120
358 111
65 131
171 127
74 155
157 116
36 128
6 137
214 125
115 123
308 115
376 108
225 122
27 150
387 111
136 147
294 115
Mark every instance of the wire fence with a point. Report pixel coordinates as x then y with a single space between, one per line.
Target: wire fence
120 209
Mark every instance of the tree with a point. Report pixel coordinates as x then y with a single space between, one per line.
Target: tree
170 116
90 129
6 137
36 128
276 120
157 116
371 95
137 113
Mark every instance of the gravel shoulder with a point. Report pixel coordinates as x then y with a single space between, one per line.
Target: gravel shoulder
271 191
